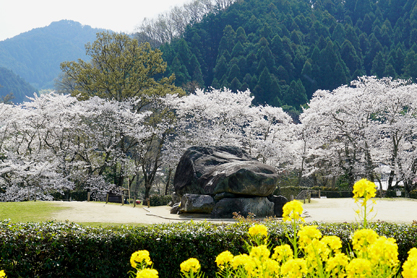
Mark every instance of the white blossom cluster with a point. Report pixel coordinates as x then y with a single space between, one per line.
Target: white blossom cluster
56 142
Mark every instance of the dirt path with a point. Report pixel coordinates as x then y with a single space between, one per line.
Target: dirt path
110 213
322 210
343 210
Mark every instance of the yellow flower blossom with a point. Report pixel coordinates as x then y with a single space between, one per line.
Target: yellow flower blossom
316 250
240 260
261 252
363 238
282 253
271 267
359 268
293 210
294 268
336 266
224 259
258 230
140 257
364 188
307 234
384 251
333 242
410 265
2 274
147 273
192 264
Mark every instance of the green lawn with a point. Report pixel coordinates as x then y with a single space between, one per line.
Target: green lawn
27 211
42 211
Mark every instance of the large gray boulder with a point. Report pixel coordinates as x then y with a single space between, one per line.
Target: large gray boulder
195 203
260 206
216 170
279 202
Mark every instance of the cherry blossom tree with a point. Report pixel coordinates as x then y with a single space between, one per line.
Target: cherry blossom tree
358 130
55 142
221 117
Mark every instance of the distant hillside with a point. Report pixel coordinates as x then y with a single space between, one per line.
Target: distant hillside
284 50
35 55
12 83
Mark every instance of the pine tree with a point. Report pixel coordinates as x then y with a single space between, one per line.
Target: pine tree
221 68
234 72
378 65
296 94
349 56
410 65
235 85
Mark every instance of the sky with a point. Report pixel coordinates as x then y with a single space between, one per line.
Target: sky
19 16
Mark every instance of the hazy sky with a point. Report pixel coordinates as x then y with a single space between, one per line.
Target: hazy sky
18 16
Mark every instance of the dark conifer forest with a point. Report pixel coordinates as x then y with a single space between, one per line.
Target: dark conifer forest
284 50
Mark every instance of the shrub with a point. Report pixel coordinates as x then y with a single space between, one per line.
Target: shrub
160 200
337 194
393 193
413 194
69 250
79 195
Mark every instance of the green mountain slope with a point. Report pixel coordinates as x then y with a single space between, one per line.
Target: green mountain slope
284 50
12 83
36 55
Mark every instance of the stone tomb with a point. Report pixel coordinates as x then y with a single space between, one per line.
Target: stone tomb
223 180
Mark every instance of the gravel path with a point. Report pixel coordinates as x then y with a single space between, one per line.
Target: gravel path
322 210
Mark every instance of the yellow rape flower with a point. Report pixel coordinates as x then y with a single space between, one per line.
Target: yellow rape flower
384 251
334 242
292 210
363 238
140 257
271 267
258 230
364 188
246 262
307 234
294 268
224 259
359 268
315 251
336 266
282 253
192 264
240 260
261 252
147 273
2 274
410 265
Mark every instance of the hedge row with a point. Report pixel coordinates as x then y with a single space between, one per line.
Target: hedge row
68 250
160 200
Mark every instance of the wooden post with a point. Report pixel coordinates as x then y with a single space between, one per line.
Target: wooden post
319 194
107 198
88 196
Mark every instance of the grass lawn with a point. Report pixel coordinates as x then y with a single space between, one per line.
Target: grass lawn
27 211
43 211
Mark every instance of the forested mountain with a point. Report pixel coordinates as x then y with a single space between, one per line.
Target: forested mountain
12 83
284 50
35 55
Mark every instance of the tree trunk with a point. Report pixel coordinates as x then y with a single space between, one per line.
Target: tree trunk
147 191
168 181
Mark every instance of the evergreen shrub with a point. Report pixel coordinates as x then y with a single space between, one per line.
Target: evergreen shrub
160 200
78 195
413 194
68 250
